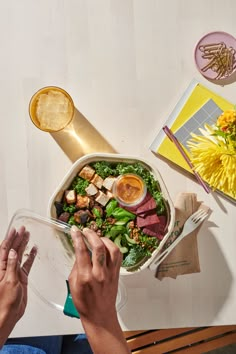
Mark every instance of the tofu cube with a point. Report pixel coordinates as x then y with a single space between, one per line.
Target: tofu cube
87 172
97 180
109 195
108 182
102 198
70 196
82 201
91 189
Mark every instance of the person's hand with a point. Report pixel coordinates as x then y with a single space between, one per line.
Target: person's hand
94 280
94 284
13 279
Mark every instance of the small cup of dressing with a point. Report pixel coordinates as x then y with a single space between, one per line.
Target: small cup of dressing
129 189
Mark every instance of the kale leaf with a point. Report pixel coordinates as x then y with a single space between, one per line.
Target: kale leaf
135 255
70 208
104 169
79 184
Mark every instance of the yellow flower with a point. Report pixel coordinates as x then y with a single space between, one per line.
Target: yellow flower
214 160
226 119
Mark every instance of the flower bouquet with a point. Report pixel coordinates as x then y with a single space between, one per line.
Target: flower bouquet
213 153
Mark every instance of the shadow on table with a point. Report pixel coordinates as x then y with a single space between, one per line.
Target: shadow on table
80 137
226 81
189 301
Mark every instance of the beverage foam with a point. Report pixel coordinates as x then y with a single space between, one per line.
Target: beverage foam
53 110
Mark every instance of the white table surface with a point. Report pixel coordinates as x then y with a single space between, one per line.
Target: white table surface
125 63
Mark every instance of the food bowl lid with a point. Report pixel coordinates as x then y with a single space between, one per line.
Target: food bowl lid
54 261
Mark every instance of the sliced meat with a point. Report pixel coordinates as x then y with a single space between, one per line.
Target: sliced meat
149 219
153 230
162 219
157 230
147 197
146 213
133 209
150 204
162 225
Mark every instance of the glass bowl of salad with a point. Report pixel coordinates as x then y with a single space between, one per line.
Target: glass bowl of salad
86 197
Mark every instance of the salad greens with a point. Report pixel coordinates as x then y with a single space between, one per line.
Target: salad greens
123 215
112 220
110 207
79 184
136 254
70 208
105 169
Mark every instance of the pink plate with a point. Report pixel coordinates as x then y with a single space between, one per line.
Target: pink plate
209 39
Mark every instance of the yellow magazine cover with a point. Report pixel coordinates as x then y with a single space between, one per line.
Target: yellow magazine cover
197 106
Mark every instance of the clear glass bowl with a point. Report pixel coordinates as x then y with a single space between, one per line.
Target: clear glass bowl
54 260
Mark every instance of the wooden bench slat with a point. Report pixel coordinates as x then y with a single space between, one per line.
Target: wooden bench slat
155 336
129 334
185 340
210 345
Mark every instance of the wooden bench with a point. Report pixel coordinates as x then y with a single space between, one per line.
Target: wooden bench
180 340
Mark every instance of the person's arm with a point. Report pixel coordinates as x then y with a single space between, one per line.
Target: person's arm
94 285
13 280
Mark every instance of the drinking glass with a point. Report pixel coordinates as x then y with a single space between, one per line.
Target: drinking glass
51 109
